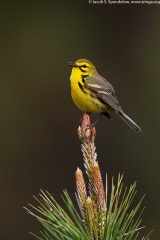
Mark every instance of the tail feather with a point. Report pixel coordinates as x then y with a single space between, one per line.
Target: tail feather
130 122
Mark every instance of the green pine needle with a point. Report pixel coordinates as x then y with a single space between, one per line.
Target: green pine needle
99 217
121 221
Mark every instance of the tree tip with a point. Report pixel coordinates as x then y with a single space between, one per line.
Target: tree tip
87 131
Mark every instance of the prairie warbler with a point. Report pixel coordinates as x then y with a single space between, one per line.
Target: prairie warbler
94 94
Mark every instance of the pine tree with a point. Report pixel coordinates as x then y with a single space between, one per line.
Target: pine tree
96 216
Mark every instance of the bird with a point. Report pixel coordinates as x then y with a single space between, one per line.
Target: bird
92 93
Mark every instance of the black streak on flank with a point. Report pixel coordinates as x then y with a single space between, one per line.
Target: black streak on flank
93 96
81 87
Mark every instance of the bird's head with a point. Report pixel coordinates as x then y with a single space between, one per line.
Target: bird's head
83 67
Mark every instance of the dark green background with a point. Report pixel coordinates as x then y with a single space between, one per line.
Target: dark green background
39 148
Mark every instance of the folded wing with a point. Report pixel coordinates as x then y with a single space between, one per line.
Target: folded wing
103 90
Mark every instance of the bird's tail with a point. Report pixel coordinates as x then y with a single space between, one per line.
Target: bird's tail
129 121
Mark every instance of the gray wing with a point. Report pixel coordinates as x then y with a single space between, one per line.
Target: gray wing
103 90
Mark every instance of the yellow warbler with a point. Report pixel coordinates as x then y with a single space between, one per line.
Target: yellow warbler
94 94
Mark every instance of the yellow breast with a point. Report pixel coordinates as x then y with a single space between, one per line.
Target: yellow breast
83 97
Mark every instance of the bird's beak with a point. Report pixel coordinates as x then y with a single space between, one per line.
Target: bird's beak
72 64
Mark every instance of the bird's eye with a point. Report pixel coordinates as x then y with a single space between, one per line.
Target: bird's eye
84 66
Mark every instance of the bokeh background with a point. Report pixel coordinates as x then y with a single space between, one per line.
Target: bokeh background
39 147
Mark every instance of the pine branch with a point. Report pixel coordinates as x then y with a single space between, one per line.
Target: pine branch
100 217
